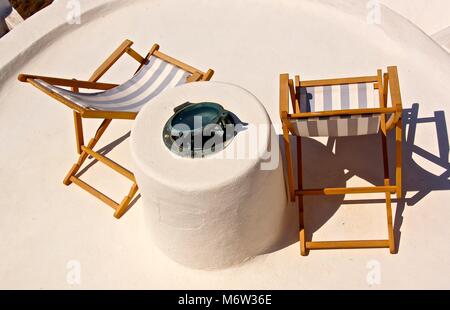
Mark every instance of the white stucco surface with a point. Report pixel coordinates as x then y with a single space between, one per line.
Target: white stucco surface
45 226
443 38
220 210
431 16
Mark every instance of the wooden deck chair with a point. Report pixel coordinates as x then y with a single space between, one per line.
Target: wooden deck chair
337 108
156 72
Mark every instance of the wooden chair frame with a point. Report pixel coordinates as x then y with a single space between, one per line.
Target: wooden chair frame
79 113
384 83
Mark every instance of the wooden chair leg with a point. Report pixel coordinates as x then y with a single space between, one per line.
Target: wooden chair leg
78 125
290 171
84 155
78 130
301 210
388 194
125 204
389 221
399 154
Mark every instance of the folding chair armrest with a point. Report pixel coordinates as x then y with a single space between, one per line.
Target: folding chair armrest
284 96
207 75
58 97
67 82
200 76
196 76
125 47
392 121
342 81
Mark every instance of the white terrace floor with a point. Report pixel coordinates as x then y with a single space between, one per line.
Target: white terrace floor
45 225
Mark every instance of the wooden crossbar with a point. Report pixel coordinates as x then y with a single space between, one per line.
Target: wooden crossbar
342 81
346 190
67 82
113 165
348 244
109 114
94 192
176 62
135 55
343 112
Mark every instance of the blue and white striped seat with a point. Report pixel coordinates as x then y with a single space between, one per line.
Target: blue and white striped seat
339 97
151 80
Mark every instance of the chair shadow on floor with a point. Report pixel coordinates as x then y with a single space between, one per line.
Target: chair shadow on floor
105 151
362 157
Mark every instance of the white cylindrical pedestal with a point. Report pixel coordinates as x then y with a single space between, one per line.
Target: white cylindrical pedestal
216 211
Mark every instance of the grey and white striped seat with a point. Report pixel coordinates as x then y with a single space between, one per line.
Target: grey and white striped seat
151 80
339 97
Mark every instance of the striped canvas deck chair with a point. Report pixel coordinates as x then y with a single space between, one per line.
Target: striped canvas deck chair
340 108
156 73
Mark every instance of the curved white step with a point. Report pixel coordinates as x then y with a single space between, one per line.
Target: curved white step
443 38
